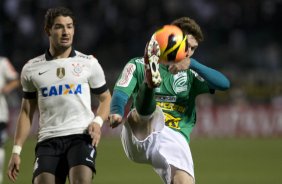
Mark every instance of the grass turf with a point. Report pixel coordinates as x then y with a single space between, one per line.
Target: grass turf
216 161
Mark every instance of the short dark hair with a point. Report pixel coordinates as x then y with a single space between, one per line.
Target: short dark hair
189 26
52 13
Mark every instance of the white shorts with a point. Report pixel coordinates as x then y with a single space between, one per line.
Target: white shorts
161 149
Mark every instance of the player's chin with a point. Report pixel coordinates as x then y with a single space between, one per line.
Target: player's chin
65 45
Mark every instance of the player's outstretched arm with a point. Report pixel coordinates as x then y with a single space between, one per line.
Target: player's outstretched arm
22 131
215 79
118 103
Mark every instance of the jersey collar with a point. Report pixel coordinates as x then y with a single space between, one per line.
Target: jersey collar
49 57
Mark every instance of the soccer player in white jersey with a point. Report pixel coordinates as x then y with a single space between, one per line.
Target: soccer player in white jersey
8 82
59 82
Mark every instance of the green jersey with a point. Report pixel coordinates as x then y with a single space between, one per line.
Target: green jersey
176 95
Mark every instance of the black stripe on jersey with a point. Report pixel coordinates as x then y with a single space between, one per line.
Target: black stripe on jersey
100 90
29 95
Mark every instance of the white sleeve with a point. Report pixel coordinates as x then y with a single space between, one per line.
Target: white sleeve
26 81
9 71
97 76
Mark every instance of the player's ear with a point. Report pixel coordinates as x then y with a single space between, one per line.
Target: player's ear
47 31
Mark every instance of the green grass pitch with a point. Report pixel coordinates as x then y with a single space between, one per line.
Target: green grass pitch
216 161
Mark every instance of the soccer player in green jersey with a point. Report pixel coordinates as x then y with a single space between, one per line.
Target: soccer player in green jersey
157 129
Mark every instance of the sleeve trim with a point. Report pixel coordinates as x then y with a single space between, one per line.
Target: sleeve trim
100 90
29 95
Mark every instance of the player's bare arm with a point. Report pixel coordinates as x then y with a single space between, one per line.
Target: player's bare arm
10 86
94 129
22 131
104 106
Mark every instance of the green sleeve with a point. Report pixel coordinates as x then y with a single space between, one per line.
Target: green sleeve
199 85
128 79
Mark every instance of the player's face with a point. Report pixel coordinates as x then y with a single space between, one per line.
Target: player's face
61 33
192 44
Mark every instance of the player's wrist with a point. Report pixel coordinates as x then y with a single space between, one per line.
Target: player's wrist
99 120
17 149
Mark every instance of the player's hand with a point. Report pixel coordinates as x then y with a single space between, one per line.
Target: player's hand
14 167
115 120
176 67
94 130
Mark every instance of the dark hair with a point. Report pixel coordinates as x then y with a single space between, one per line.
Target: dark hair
52 13
189 26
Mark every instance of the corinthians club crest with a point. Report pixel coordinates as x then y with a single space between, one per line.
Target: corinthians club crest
61 72
77 69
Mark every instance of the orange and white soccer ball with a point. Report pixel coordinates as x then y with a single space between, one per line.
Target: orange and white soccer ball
172 43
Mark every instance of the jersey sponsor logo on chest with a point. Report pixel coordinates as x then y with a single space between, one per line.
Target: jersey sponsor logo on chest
180 82
172 121
171 107
161 98
64 89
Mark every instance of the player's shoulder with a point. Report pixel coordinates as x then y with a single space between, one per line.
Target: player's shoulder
3 60
34 62
134 65
137 61
194 73
38 59
83 56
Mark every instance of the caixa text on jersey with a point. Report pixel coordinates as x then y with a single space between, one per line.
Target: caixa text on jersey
63 89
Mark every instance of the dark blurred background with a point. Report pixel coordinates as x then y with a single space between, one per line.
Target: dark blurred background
242 39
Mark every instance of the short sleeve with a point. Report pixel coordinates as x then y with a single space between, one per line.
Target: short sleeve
9 71
26 79
127 80
97 76
199 84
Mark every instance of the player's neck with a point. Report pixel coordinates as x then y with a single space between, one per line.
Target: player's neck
60 53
